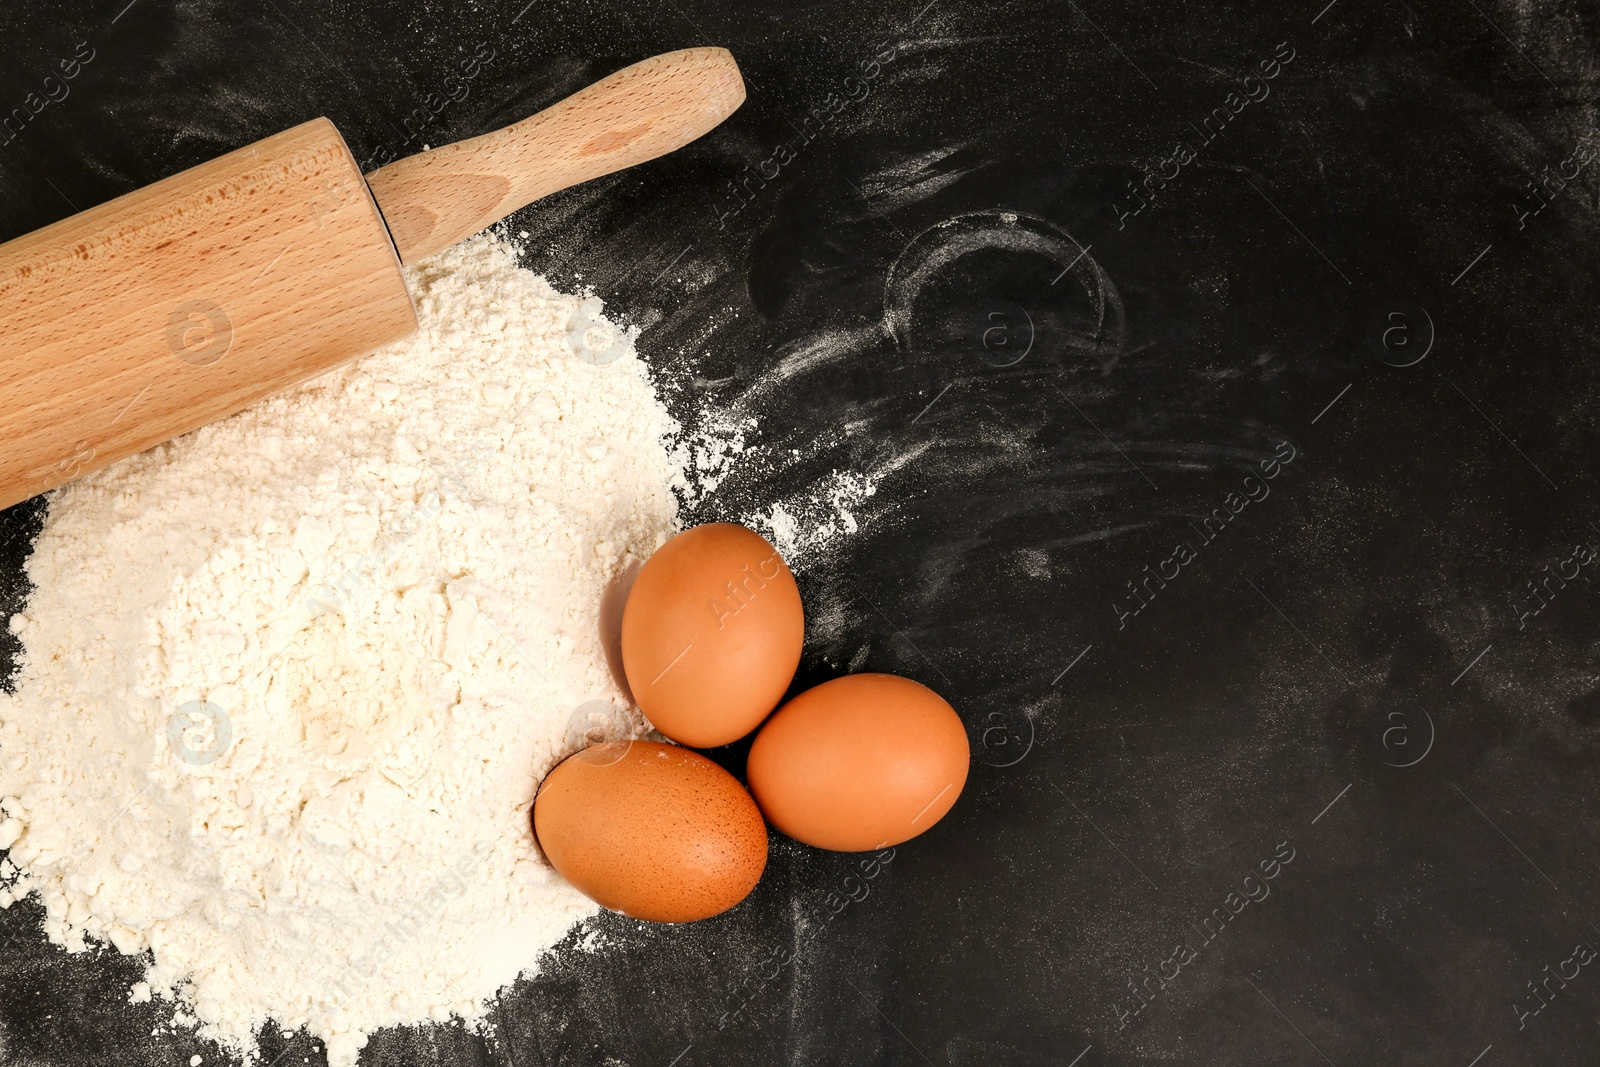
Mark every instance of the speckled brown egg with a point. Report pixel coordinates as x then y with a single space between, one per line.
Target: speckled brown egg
654 831
711 634
860 762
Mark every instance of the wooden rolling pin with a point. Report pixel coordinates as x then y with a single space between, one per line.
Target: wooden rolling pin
176 305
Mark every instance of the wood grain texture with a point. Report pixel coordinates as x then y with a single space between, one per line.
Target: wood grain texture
435 199
186 301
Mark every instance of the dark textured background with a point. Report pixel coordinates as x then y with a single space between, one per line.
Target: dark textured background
1365 613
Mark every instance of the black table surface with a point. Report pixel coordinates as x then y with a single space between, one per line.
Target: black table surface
1226 375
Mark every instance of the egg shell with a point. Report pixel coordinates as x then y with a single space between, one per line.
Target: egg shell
861 762
711 634
651 830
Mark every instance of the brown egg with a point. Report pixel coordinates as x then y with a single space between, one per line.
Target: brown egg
651 830
711 634
860 762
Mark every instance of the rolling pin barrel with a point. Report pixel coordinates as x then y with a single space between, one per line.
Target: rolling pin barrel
184 302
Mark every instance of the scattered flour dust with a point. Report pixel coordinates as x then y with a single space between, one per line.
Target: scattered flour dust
710 453
289 682
802 525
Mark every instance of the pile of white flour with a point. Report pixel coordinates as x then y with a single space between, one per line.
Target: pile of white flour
290 681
